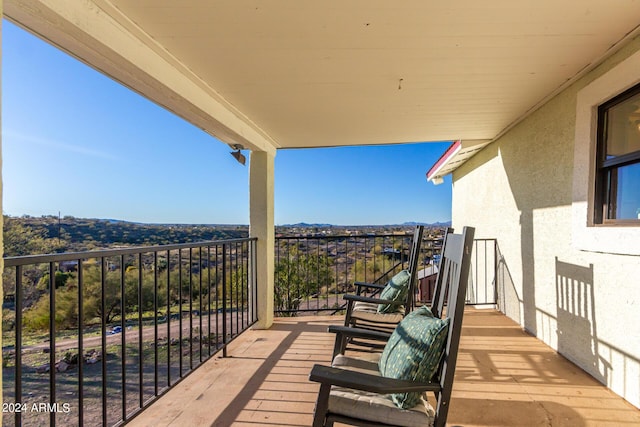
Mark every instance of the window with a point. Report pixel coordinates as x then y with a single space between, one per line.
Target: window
600 92
617 189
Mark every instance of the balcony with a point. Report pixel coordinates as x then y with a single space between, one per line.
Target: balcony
504 377
164 338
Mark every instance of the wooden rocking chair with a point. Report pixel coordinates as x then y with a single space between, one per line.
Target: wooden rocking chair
396 298
389 389
363 318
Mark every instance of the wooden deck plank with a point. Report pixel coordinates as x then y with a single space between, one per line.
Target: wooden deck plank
504 377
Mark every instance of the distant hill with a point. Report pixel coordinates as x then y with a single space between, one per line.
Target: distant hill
304 224
70 234
79 234
433 224
404 224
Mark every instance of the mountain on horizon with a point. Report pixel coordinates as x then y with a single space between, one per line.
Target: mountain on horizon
304 224
114 221
431 224
404 224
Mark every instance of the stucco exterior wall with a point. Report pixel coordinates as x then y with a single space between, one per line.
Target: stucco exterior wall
519 189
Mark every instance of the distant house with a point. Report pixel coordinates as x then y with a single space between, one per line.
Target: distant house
68 266
426 282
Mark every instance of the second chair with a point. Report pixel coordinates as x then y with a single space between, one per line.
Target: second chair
384 311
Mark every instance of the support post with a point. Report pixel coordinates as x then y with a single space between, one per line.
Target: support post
261 225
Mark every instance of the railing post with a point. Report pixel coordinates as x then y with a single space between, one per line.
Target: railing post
52 341
180 311
18 347
80 344
168 316
155 323
224 300
140 342
103 336
254 278
190 308
495 271
123 338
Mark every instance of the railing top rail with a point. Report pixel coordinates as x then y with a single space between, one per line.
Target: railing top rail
349 236
72 256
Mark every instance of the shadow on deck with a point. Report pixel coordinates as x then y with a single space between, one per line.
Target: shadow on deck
504 377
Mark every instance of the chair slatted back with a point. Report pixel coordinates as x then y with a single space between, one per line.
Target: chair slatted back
414 260
440 294
455 266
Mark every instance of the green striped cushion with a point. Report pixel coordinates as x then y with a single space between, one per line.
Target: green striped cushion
413 352
395 290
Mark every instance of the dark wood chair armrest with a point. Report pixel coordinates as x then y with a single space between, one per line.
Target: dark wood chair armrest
367 382
372 286
359 333
346 333
369 285
356 298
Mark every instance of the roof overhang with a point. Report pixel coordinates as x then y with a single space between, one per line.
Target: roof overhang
456 155
304 74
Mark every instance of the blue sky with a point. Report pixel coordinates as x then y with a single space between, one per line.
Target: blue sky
76 142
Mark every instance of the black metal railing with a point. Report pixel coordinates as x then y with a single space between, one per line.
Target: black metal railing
129 324
92 338
482 288
312 273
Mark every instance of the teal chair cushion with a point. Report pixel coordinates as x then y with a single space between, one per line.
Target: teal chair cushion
414 351
396 289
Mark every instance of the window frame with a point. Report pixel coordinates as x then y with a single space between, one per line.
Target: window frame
597 87
605 181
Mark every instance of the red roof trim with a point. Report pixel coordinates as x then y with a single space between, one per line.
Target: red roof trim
453 148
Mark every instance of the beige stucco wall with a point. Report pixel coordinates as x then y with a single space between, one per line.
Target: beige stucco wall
584 303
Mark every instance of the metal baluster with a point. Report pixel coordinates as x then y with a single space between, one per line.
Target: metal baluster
155 323
200 303
123 337
224 300
209 301
140 331
180 309
18 329
190 308
168 315
103 326
80 344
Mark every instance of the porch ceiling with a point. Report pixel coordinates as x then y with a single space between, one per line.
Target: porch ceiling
298 73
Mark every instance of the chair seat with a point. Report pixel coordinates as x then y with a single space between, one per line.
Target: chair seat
368 312
374 407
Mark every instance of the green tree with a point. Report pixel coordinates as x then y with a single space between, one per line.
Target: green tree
134 289
66 316
61 280
369 270
298 276
92 294
237 287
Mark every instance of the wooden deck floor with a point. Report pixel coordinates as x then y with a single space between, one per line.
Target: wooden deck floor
504 377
